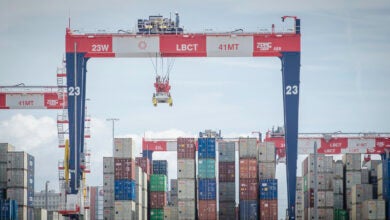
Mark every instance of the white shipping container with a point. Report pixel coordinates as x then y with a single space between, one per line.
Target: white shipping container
18 194
171 213
4 148
186 209
144 213
267 152
380 188
267 170
109 200
338 169
17 160
108 213
361 192
124 148
145 181
144 198
324 181
299 199
186 189
186 168
352 161
124 210
248 147
17 178
379 171
138 212
338 187
108 165
353 178
108 182
40 214
299 183
138 176
374 209
355 212
138 195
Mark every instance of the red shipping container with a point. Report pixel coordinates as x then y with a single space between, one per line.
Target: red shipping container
249 189
248 169
207 210
124 169
186 148
269 209
144 163
227 171
158 200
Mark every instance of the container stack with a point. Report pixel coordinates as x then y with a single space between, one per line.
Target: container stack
249 185
8 209
374 209
360 193
145 165
138 192
158 196
20 184
299 201
227 177
353 176
170 213
186 178
325 199
384 183
207 188
108 188
160 167
145 200
173 193
4 149
338 187
268 183
372 166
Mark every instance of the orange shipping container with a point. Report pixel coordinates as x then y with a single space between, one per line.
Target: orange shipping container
249 189
269 209
248 169
207 210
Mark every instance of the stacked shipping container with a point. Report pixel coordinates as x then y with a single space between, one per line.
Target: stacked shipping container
372 166
108 188
207 205
353 176
160 167
360 193
227 177
186 178
338 186
268 184
299 201
158 196
173 193
249 185
20 182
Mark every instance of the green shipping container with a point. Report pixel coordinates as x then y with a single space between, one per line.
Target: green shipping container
340 214
206 168
158 183
156 214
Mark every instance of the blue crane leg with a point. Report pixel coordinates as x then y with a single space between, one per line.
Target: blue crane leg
76 81
290 76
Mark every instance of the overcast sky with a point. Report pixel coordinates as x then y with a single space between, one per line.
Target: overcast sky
344 73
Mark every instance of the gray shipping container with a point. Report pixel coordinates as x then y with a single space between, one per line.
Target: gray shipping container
372 166
125 210
361 192
379 170
108 213
267 170
226 151
18 194
186 189
3 175
227 191
355 212
267 152
40 214
108 165
299 183
338 169
365 176
124 148
338 187
248 147
17 178
352 161
19 160
353 178
4 148
374 209
186 209
171 212
185 168
338 201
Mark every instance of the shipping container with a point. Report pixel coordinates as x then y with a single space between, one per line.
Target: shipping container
124 168
226 151
186 148
324 181
380 171
125 190
124 210
352 178
158 200
374 209
325 199
372 166
138 211
361 192
40 214
206 168
323 213
18 194
170 213
185 168
186 189
206 148
8 210
248 210
352 161
248 147
248 169
355 212
108 165
227 191
249 189
158 183
338 201
207 189
160 167
365 176
124 148
340 214
338 169
22 213
108 213
4 148
268 209
338 187
267 170
20 160
144 163
227 171
299 183
173 199
186 209
17 178
227 210
324 164
268 189
109 200
267 152
207 210
174 186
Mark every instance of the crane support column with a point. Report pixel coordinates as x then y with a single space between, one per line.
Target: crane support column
290 77
76 83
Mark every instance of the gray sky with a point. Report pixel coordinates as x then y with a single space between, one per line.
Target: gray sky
344 72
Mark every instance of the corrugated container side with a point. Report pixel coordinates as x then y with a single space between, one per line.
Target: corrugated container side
361 192
267 152
323 213
352 178
379 170
170 213
248 147
207 210
227 191
108 213
352 161
248 210
22 213
227 210
174 185
125 190
206 147
18 194
17 178
108 165
186 189
144 163
248 169
268 189
124 148
186 148
158 183
40 214
269 209
355 212
207 189
372 166
249 189
338 169
374 209
299 183
185 168
365 176
158 200
267 170
338 201
124 168
206 168
226 151
18 160
186 209
324 180
6 147
338 187
160 167
227 171
124 210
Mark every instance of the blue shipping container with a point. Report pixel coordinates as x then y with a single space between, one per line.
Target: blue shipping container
206 147
125 190
160 167
148 154
8 210
248 210
207 189
268 189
